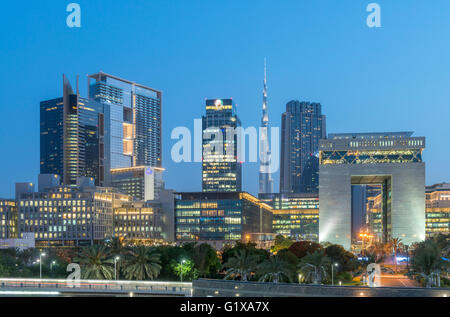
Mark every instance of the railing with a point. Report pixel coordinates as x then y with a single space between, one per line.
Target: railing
174 288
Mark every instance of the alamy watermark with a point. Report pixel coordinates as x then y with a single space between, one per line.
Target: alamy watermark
74 18
374 18
217 144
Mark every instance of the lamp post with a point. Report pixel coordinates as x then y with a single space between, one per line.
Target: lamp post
40 264
51 265
115 267
407 257
299 279
181 271
332 273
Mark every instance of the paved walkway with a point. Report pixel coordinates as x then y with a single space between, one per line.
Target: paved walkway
397 280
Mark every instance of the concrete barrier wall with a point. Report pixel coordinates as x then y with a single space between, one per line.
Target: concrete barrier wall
221 288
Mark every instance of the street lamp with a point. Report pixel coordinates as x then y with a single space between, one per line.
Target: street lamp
181 272
332 273
40 264
299 279
51 265
115 266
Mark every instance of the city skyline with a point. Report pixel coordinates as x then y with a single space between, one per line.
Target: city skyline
396 104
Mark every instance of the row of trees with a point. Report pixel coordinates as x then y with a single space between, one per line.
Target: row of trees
115 259
288 261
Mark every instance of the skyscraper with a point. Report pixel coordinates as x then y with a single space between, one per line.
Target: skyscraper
265 177
132 121
302 126
71 137
221 170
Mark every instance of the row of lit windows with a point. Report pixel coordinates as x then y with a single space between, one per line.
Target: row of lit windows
38 203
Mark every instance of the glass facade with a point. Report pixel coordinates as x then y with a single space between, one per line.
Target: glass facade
371 156
295 215
8 219
437 209
71 137
67 216
302 126
221 171
143 183
138 222
133 121
220 216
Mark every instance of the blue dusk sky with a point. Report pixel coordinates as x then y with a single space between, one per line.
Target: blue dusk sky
393 78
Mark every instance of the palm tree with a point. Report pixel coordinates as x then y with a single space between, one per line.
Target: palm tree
314 266
116 245
377 251
428 262
142 263
275 270
242 265
396 244
95 263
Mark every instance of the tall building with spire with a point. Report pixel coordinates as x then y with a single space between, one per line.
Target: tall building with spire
265 177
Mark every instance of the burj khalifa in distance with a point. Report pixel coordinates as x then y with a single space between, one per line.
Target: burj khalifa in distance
265 177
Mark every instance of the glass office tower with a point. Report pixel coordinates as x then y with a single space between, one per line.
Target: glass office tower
302 126
132 121
71 137
221 170
220 217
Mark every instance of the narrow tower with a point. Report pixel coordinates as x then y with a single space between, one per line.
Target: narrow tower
265 178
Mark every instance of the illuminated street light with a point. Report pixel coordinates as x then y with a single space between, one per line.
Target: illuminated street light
51 265
332 273
115 267
40 264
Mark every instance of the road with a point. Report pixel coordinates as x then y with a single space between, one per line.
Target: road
397 280
61 287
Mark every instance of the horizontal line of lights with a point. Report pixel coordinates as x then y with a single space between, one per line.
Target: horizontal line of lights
27 293
83 282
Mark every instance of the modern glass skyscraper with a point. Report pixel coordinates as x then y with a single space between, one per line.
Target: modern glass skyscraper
302 126
132 121
221 170
71 137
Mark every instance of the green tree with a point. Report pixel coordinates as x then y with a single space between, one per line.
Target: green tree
142 263
302 248
377 251
281 243
288 256
205 260
275 270
241 265
428 262
184 269
347 261
4 270
396 245
95 263
250 248
314 266
170 256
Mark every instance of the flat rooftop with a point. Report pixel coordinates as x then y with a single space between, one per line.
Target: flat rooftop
371 135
